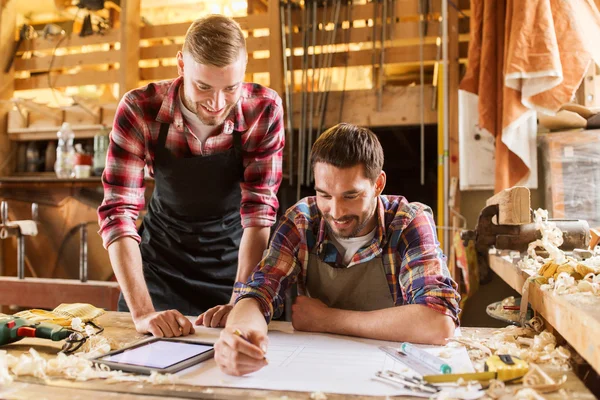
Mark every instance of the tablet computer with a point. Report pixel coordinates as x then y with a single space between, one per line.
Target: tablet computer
164 355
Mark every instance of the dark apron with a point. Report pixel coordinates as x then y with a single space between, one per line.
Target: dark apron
192 232
362 287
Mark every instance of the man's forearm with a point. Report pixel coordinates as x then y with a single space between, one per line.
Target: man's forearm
411 323
254 243
126 261
247 314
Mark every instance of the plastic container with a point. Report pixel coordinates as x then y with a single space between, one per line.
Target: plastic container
82 171
65 152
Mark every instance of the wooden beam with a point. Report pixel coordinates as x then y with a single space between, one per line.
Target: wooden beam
169 72
513 205
249 22
67 61
50 293
275 48
49 133
8 18
260 43
401 106
394 55
130 46
64 80
73 40
406 11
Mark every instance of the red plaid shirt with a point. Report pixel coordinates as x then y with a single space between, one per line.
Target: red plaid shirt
258 115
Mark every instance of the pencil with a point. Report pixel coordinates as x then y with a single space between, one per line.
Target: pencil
239 333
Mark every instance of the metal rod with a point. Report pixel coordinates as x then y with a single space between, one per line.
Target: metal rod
4 212
322 38
291 90
422 86
445 116
83 261
312 90
336 18
287 93
301 136
347 41
20 255
382 56
374 53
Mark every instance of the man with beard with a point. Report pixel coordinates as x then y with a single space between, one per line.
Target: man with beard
213 145
366 264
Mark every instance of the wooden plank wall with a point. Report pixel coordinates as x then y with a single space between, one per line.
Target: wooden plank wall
75 61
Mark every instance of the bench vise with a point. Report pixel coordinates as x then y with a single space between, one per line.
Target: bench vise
576 233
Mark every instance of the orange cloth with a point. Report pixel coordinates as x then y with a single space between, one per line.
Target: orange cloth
524 57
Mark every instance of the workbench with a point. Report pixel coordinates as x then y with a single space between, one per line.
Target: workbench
119 327
576 317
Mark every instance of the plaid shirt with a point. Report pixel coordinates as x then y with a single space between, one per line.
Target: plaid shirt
258 115
405 238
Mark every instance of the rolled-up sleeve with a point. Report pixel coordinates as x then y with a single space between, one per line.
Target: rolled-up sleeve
123 176
424 276
263 169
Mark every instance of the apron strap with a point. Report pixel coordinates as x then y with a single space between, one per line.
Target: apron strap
237 148
162 136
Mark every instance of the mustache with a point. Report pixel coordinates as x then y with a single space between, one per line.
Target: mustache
343 219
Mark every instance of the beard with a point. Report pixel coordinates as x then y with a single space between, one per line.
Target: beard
212 120
202 114
361 222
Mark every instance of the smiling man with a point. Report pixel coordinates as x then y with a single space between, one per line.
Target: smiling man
213 145
366 264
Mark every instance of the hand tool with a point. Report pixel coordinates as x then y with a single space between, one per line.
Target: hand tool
576 233
13 329
501 367
408 382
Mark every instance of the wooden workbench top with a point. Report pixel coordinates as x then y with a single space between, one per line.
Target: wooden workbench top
575 316
119 327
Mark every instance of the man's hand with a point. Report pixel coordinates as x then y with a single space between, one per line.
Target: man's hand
214 317
168 323
241 353
310 314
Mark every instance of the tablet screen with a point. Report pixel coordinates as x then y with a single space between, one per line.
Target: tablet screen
158 354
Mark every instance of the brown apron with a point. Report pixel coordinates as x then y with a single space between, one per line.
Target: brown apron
362 287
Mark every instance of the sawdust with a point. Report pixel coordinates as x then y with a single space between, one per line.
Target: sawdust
540 348
559 273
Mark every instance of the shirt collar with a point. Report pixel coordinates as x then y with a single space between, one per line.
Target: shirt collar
170 112
379 232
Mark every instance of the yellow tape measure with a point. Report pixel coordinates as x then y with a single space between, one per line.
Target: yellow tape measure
503 367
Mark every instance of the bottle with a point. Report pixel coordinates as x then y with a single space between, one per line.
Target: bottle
65 152
50 156
100 148
33 157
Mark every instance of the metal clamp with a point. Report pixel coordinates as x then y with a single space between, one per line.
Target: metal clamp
9 230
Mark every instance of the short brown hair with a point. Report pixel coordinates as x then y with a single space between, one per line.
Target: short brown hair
214 40
346 145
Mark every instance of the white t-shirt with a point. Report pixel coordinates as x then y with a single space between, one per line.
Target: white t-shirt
349 247
196 127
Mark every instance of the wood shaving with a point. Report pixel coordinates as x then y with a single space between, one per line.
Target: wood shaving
538 380
528 394
536 323
5 377
73 367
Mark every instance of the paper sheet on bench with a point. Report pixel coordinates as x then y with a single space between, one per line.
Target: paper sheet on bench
310 362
